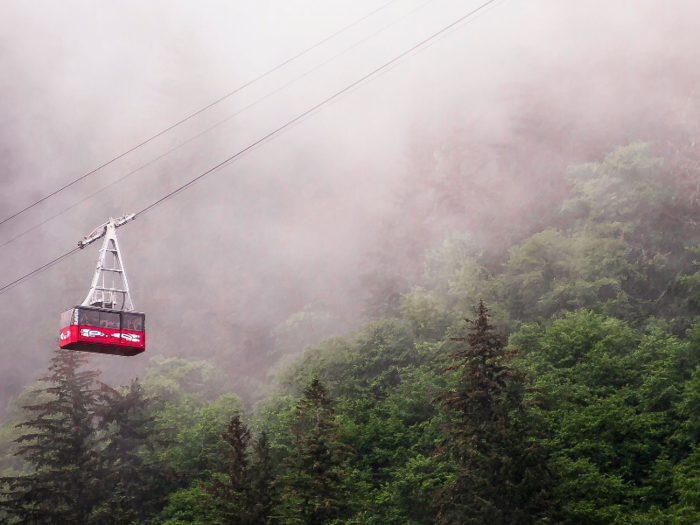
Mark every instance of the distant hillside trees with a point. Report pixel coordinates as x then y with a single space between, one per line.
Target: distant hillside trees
573 399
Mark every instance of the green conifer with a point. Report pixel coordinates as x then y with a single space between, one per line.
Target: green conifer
131 482
241 487
316 486
60 445
502 475
263 481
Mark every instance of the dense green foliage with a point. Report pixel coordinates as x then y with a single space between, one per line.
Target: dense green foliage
576 402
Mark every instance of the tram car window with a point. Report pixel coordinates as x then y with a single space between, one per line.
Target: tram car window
109 320
67 318
89 318
132 322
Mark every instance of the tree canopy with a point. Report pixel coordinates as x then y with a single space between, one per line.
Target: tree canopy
573 397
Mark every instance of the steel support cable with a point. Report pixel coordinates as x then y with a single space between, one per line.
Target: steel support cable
315 68
180 122
38 270
314 109
424 44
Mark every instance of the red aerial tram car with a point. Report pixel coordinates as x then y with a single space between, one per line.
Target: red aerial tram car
105 322
102 330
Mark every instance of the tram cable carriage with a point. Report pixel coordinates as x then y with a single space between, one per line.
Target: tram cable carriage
105 323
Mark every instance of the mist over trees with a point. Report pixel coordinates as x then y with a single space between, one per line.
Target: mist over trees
570 398
568 395
468 295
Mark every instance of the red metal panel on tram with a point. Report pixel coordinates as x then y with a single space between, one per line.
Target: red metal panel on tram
68 335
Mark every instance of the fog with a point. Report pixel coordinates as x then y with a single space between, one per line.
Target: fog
470 133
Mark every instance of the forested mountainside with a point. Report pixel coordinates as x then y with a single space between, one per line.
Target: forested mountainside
557 384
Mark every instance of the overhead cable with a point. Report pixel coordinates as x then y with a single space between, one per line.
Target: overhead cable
37 271
367 78
358 83
52 217
82 177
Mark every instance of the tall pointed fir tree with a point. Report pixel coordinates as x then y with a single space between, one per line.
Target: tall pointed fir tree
131 482
60 444
316 485
263 481
241 487
502 475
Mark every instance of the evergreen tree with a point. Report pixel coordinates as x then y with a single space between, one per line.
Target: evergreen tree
60 445
131 482
241 488
263 480
316 487
502 475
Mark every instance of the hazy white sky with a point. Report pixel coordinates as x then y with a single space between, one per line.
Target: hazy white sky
83 81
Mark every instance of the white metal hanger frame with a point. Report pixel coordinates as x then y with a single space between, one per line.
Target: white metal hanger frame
110 287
